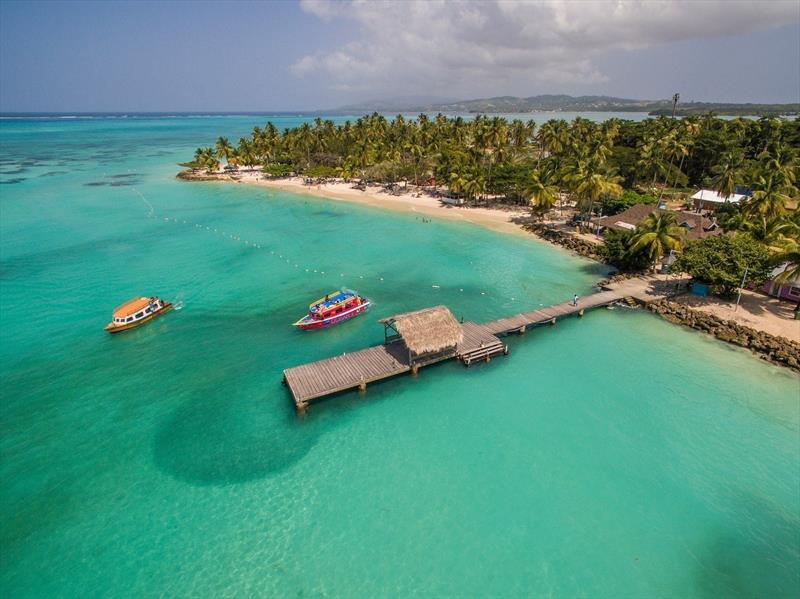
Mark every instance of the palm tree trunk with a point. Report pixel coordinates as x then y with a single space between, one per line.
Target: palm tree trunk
680 169
661 195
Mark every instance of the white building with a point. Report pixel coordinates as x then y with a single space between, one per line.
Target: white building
706 199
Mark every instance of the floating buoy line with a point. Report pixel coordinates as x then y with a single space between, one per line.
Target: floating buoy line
217 231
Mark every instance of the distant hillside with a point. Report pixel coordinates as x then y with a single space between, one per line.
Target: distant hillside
564 103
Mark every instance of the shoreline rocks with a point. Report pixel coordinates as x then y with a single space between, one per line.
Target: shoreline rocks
190 175
575 244
777 350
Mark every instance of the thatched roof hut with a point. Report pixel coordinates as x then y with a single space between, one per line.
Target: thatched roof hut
432 330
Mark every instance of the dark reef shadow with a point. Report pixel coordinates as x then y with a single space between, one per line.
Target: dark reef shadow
757 557
216 440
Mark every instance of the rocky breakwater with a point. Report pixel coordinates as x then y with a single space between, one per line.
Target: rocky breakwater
576 244
777 350
190 175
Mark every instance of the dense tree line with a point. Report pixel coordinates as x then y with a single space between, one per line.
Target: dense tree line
606 166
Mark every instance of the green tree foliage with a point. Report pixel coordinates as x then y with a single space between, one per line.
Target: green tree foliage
617 251
657 235
588 162
321 171
629 198
277 170
721 261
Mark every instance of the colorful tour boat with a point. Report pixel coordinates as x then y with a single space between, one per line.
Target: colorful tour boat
136 312
332 309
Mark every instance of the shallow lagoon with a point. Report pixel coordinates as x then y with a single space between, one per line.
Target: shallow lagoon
615 455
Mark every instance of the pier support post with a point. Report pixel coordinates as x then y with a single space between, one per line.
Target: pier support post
505 350
522 329
362 386
580 313
414 370
553 322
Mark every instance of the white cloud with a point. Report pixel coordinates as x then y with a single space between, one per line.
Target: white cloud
459 47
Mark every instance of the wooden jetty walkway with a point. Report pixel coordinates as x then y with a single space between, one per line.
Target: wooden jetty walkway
416 339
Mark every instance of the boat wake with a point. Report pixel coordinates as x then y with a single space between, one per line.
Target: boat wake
178 303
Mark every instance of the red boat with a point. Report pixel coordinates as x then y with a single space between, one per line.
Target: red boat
332 309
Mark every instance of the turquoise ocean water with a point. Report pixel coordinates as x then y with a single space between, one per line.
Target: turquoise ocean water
613 456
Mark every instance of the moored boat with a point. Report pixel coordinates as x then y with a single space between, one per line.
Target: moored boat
136 312
332 309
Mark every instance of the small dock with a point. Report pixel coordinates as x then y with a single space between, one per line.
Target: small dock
416 339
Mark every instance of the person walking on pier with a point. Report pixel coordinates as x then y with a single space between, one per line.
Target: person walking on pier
575 300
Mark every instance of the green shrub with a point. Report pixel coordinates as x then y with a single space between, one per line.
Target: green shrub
626 200
320 171
721 261
616 250
277 170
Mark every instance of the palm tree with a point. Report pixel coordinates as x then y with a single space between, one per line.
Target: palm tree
206 158
769 197
657 234
305 138
672 147
540 192
650 160
457 182
590 180
474 186
417 152
728 173
791 258
223 147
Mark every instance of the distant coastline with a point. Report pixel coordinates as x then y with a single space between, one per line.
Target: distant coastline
565 103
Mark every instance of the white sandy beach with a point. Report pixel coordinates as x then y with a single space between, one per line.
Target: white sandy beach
419 203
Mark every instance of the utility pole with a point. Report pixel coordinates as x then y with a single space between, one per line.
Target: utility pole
744 278
675 99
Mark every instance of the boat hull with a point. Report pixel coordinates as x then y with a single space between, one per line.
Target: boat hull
307 323
112 327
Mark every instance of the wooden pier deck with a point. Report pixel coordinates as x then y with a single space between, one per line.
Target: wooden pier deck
514 324
348 371
478 342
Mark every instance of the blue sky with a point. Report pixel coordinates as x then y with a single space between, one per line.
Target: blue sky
316 54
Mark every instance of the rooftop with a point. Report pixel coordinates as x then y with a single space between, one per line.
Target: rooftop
427 331
131 307
696 225
708 195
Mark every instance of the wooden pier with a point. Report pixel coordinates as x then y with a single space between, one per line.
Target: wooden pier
432 335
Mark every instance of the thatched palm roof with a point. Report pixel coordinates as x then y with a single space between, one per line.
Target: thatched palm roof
427 331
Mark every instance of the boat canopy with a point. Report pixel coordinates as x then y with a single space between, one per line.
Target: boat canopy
331 299
131 307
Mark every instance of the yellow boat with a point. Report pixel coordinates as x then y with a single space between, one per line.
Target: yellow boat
136 312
